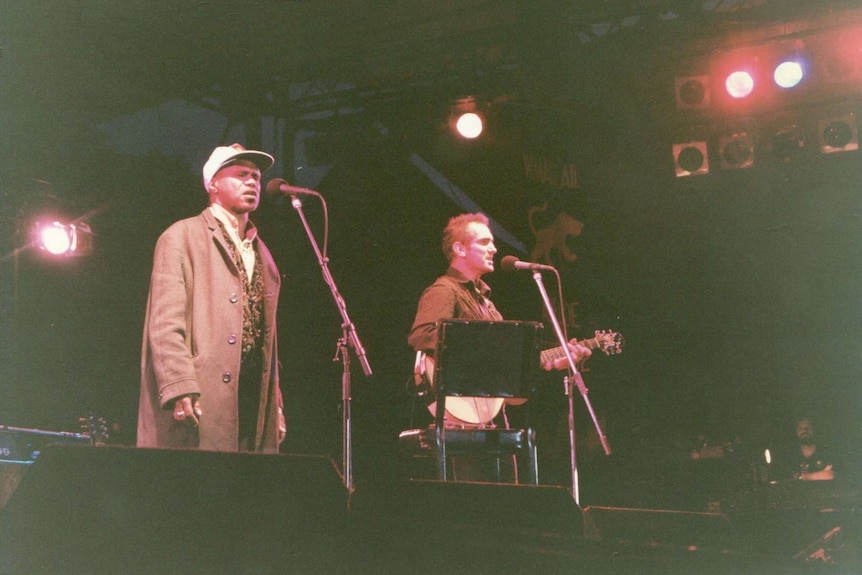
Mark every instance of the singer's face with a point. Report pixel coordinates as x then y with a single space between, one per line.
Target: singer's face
479 251
237 187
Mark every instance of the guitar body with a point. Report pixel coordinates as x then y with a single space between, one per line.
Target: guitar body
462 410
473 411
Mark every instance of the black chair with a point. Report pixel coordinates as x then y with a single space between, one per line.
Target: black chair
478 363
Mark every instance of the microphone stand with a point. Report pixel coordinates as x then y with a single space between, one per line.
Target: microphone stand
349 338
575 375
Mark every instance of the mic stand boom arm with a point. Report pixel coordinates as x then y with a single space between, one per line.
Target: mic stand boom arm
349 338
575 375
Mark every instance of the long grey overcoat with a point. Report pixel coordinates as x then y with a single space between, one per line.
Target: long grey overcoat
193 338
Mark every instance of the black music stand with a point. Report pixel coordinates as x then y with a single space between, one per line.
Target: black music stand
487 359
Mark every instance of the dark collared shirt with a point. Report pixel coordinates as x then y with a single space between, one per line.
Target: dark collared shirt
451 295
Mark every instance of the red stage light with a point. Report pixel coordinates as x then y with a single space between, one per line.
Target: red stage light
739 84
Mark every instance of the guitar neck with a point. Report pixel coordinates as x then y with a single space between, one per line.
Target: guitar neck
556 353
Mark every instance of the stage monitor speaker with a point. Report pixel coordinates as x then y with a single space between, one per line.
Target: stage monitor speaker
659 528
124 510
452 527
11 475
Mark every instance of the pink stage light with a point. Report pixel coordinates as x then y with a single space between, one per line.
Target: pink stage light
739 84
55 239
58 239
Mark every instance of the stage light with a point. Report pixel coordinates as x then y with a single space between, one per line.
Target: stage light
739 84
736 150
788 74
691 159
469 125
63 240
467 117
787 141
54 239
691 92
838 134
790 61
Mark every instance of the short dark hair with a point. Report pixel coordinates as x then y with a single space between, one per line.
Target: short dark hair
456 231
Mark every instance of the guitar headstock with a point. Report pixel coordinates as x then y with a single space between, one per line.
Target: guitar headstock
610 342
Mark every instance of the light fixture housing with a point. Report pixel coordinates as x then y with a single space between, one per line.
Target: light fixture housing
736 150
55 238
691 159
838 134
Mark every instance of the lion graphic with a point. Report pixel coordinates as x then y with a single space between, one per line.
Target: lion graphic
554 236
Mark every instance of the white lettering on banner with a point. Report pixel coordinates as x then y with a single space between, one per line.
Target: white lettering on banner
545 171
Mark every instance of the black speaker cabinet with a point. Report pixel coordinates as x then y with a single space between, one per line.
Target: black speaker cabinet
663 528
126 510
449 527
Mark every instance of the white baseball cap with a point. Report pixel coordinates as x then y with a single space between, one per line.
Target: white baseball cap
224 155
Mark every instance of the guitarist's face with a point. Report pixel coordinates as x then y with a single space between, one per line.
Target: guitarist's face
477 254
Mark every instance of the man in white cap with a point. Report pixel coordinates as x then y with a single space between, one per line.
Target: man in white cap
209 360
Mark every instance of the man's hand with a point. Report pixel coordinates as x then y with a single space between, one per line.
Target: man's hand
579 352
825 474
282 426
187 409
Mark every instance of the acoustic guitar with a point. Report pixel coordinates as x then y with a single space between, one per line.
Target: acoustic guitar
482 410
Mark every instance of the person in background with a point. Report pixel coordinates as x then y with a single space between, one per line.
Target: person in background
209 359
808 462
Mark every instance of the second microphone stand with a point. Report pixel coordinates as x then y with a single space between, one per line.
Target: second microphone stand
574 375
349 339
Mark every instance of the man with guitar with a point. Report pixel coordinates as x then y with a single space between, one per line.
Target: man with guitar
461 293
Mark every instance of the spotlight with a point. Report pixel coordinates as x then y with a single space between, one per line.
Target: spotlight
63 240
788 74
838 134
691 92
469 125
739 84
736 150
467 118
691 159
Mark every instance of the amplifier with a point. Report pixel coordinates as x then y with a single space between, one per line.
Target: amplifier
21 445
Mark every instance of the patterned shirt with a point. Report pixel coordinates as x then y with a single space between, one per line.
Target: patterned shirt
252 293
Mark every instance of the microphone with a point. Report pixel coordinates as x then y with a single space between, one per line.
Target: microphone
278 187
511 263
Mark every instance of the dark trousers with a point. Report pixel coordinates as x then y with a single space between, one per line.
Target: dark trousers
250 373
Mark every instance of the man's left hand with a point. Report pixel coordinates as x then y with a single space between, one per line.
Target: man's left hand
282 426
579 352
